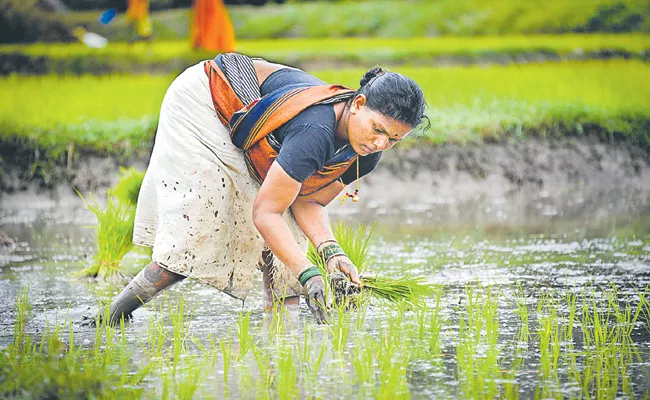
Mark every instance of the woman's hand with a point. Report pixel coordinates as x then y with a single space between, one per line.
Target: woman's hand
342 263
315 290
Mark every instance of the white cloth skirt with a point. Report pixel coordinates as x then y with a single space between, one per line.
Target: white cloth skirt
195 204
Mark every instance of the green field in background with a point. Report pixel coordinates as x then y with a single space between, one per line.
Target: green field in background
466 104
408 18
367 49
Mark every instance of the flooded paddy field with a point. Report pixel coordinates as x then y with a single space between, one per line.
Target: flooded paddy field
547 309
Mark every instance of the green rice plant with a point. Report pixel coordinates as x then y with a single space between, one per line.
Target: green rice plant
127 188
567 328
311 354
180 316
644 305
521 310
429 325
156 336
114 237
477 351
225 345
608 346
265 382
339 328
286 374
355 243
509 381
52 368
246 341
392 364
625 319
22 342
363 362
549 334
191 377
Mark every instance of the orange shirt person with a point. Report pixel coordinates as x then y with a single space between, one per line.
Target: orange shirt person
138 14
211 27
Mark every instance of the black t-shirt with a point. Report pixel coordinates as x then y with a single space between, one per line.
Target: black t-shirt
307 141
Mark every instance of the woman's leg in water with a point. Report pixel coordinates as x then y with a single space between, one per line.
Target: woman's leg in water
271 302
152 280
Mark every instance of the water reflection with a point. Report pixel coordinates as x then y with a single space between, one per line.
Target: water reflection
536 266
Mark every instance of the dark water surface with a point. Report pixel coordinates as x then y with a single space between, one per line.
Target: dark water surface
543 256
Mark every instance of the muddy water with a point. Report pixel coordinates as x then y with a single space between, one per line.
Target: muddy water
546 255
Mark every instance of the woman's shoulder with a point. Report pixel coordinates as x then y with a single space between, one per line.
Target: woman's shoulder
288 76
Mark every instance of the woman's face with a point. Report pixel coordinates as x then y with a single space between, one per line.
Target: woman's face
370 131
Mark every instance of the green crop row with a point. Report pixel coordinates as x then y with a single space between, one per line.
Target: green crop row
170 56
413 18
117 114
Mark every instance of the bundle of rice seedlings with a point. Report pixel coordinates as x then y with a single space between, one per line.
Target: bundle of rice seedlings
128 187
114 234
355 243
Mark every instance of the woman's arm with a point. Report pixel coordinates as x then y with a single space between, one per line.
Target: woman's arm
313 219
311 214
276 195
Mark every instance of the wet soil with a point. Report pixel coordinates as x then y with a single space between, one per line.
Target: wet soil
491 183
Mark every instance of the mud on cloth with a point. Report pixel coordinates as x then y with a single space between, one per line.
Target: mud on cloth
195 204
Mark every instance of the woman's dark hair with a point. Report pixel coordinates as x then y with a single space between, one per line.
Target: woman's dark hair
393 95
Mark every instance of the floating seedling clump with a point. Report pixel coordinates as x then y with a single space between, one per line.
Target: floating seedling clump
128 187
114 224
114 234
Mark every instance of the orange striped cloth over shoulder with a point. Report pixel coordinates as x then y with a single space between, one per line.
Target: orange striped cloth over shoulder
251 120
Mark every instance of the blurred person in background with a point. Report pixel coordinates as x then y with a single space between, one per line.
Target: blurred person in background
137 13
247 156
212 29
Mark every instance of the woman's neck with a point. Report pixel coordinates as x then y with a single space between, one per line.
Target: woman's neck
341 112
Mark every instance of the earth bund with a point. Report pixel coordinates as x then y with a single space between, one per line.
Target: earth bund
491 183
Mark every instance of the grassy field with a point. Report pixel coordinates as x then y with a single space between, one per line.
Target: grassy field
363 51
118 113
415 18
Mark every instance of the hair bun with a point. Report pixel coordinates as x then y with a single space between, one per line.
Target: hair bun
372 73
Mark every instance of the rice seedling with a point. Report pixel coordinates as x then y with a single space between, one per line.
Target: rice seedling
339 328
114 234
225 345
156 336
432 321
644 305
246 341
477 350
52 368
310 359
355 243
363 362
567 328
127 188
180 316
522 313
392 363
608 346
549 346
286 374
265 382
191 377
